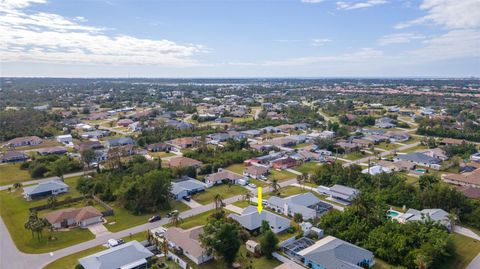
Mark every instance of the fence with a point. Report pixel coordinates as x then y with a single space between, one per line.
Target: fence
107 212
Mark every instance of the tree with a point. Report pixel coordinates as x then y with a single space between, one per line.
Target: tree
298 217
59 167
222 238
52 201
35 224
247 197
426 181
268 243
264 227
17 185
175 219
88 156
275 186
218 199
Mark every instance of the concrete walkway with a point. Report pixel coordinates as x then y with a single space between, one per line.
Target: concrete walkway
192 203
234 208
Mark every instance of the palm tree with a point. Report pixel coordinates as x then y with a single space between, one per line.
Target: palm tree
175 219
247 197
300 180
422 262
218 202
165 248
275 186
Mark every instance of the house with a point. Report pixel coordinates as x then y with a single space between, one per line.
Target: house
342 192
73 217
376 138
306 204
251 220
184 142
252 246
377 169
436 153
331 252
24 141
475 157
436 215
124 122
470 192
471 179
384 123
306 156
289 265
222 176
286 128
122 141
452 142
52 150
178 124
52 187
347 146
65 139
135 126
188 243
362 143
283 163
188 186
397 166
251 133
13 156
87 145
419 159
398 136
178 162
256 172
159 147
95 134
129 255
308 228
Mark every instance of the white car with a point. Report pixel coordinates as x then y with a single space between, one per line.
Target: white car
251 185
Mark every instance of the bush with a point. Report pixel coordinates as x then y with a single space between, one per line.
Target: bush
38 171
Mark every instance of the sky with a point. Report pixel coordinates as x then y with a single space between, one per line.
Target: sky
240 38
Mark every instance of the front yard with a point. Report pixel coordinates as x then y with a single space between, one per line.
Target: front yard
308 167
286 191
281 175
11 173
465 250
207 196
352 156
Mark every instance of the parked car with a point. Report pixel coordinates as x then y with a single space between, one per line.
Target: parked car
171 213
187 198
154 218
251 185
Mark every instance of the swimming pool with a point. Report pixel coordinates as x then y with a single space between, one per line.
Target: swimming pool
422 171
392 214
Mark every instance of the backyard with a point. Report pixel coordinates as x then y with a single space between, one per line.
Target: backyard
11 173
207 196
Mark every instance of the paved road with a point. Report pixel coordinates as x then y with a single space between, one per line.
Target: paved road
382 154
12 258
46 179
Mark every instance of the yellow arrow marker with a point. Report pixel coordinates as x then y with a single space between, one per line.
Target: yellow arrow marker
259 200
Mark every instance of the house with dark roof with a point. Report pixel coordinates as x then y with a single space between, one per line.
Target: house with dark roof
418 158
177 162
159 147
52 187
122 141
13 156
88 145
251 220
331 252
24 141
131 255
52 150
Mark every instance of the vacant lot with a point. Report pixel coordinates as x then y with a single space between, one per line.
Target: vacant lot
207 196
11 173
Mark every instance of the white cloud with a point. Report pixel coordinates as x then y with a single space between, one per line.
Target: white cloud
452 14
358 5
317 42
312 1
48 37
399 38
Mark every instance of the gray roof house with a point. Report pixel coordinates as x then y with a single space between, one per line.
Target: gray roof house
419 159
128 255
122 141
252 220
52 187
307 204
331 252
187 186
343 192
436 215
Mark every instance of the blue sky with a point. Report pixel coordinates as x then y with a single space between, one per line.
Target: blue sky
289 38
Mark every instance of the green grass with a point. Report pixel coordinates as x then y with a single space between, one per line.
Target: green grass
352 156
285 192
410 150
124 219
207 196
281 175
237 168
258 183
14 212
380 264
465 250
302 145
386 146
308 168
160 154
197 220
70 261
45 144
11 173
242 204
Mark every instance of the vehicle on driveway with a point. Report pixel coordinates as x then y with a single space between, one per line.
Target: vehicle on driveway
171 213
251 185
187 198
154 218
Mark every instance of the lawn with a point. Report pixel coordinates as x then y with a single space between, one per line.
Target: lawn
11 173
285 192
45 144
197 220
352 156
160 154
465 250
237 168
242 204
301 145
207 196
70 261
124 219
308 167
386 146
410 150
14 212
258 183
281 175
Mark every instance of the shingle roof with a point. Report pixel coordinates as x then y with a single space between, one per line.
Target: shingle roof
116 257
418 158
188 240
190 184
183 162
222 175
45 187
251 219
78 214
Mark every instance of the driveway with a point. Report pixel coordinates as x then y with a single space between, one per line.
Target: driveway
192 203
234 208
98 229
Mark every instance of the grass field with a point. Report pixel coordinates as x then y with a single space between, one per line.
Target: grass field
465 250
258 183
208 195
380 264
242 204
160 154
14 212
281 175
197 220
124 219
386 146
237 168
410 150
70 261
307 167
352 156
11 173
45 144
285 192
